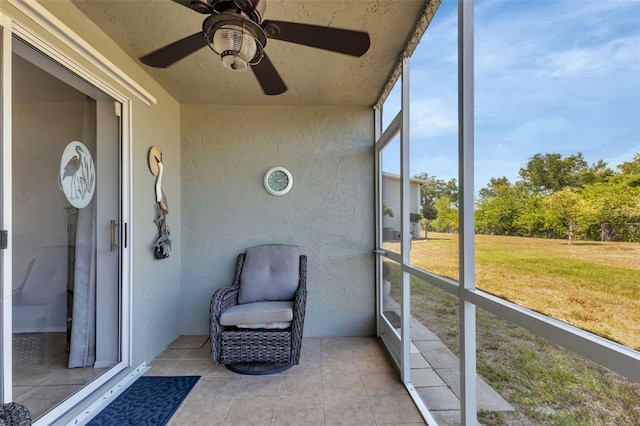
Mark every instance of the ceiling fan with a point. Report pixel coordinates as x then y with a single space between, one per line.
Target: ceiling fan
235 30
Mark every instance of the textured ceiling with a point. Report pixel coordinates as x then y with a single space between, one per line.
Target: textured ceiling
313 76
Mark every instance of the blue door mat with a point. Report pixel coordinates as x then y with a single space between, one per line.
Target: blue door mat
149 401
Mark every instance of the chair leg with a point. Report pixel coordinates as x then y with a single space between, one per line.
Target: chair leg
250 368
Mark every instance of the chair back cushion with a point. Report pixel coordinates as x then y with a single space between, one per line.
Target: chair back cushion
270 272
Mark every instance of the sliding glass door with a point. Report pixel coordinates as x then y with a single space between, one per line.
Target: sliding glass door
63 260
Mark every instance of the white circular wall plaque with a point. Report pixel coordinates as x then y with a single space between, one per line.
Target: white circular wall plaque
77 174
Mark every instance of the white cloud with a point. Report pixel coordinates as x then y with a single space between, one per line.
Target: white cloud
599 60
432 117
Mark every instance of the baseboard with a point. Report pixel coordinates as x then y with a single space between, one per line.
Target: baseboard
40 330
104 364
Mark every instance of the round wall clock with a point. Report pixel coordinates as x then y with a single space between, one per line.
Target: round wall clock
278 180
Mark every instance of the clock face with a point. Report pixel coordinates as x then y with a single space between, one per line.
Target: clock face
278 180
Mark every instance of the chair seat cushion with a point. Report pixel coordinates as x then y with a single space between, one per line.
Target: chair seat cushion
269 325
257 313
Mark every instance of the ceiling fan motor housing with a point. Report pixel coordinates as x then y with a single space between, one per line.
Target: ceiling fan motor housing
200 6
253 9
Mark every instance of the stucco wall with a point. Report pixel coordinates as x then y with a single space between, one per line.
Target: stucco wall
328 212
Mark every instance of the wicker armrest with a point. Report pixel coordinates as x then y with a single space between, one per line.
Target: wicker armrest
223 299
226 297
299 309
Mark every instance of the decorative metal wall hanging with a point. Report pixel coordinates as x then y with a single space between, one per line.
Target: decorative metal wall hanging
162 246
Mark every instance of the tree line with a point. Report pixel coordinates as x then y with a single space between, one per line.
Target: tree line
554 197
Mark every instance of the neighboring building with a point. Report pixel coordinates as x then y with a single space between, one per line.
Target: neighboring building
391 198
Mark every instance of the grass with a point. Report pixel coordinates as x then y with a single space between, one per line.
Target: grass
591 285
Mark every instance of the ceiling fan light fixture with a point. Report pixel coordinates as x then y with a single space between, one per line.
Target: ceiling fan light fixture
235 45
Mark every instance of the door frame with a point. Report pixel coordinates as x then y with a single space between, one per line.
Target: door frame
6 218
10 27
386 331
397 344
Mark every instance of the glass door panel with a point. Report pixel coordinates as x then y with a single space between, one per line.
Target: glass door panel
392 293
65 253
390 185
390 277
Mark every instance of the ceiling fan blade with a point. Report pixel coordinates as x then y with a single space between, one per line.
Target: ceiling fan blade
268 77
354 43
172 53
197 5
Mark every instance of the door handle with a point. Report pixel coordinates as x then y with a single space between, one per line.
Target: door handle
112 234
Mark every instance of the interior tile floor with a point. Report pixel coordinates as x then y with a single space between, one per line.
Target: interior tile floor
340 381
41 378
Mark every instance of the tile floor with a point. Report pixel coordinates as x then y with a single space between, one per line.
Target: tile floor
340 381
41 378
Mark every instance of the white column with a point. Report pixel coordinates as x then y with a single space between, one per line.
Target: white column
405 226
468 403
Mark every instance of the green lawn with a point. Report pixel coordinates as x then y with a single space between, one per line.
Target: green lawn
592 285
595 286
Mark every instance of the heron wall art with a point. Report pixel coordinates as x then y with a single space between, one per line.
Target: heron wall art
77 177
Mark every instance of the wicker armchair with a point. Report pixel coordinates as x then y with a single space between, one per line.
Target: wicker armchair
14 414
259 319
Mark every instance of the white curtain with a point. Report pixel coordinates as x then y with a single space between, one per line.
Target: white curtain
82 351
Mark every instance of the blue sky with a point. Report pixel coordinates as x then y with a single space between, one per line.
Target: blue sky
550 76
